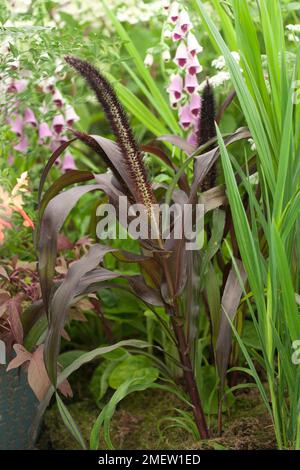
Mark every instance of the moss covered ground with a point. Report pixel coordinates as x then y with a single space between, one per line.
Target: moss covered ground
139 423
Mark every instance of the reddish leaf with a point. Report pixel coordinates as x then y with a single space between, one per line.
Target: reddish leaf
63 243
37 375
3 273
14 310
62 299
22 355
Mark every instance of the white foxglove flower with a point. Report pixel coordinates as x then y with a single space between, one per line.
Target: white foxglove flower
148 60
166 56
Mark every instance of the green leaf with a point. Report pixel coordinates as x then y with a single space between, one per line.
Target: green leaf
104 419
69 422
135 367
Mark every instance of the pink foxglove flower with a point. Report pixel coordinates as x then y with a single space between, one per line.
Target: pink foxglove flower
193 65
195 105
184 21
29 117
17 86
22 146
175 87
58 123
185 117
68 163
193 45
174 12
14 65
191 83
177 33
47 85
17 125
173 101
54 144
71 116
44 131
181 56
58 99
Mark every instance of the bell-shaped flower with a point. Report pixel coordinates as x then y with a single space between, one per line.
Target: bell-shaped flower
167 33
173 101
148 61
54 144
22 146
17 86
193 45
57 98
175 87
15 64
58 123
17 125
174 12
185 117
195 105
29 117
71 116
181 56
44 131
48 85
190 83
177 34
193 65
68 163
166 56
184 22
166 4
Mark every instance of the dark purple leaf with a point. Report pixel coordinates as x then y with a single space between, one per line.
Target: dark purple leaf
49 165
62 300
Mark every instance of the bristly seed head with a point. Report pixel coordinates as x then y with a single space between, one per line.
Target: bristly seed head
207 130
120 127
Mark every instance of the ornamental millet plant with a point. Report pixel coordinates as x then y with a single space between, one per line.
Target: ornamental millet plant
165 264
143 193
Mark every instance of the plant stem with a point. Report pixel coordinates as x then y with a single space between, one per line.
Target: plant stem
189 377
183 351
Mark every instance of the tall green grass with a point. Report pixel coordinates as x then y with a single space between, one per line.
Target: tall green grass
268 234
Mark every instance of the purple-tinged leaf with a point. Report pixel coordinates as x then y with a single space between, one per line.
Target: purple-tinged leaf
56 154
61 301
179 142
147 294
53 218
69 178
14 311
230 302
204 162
